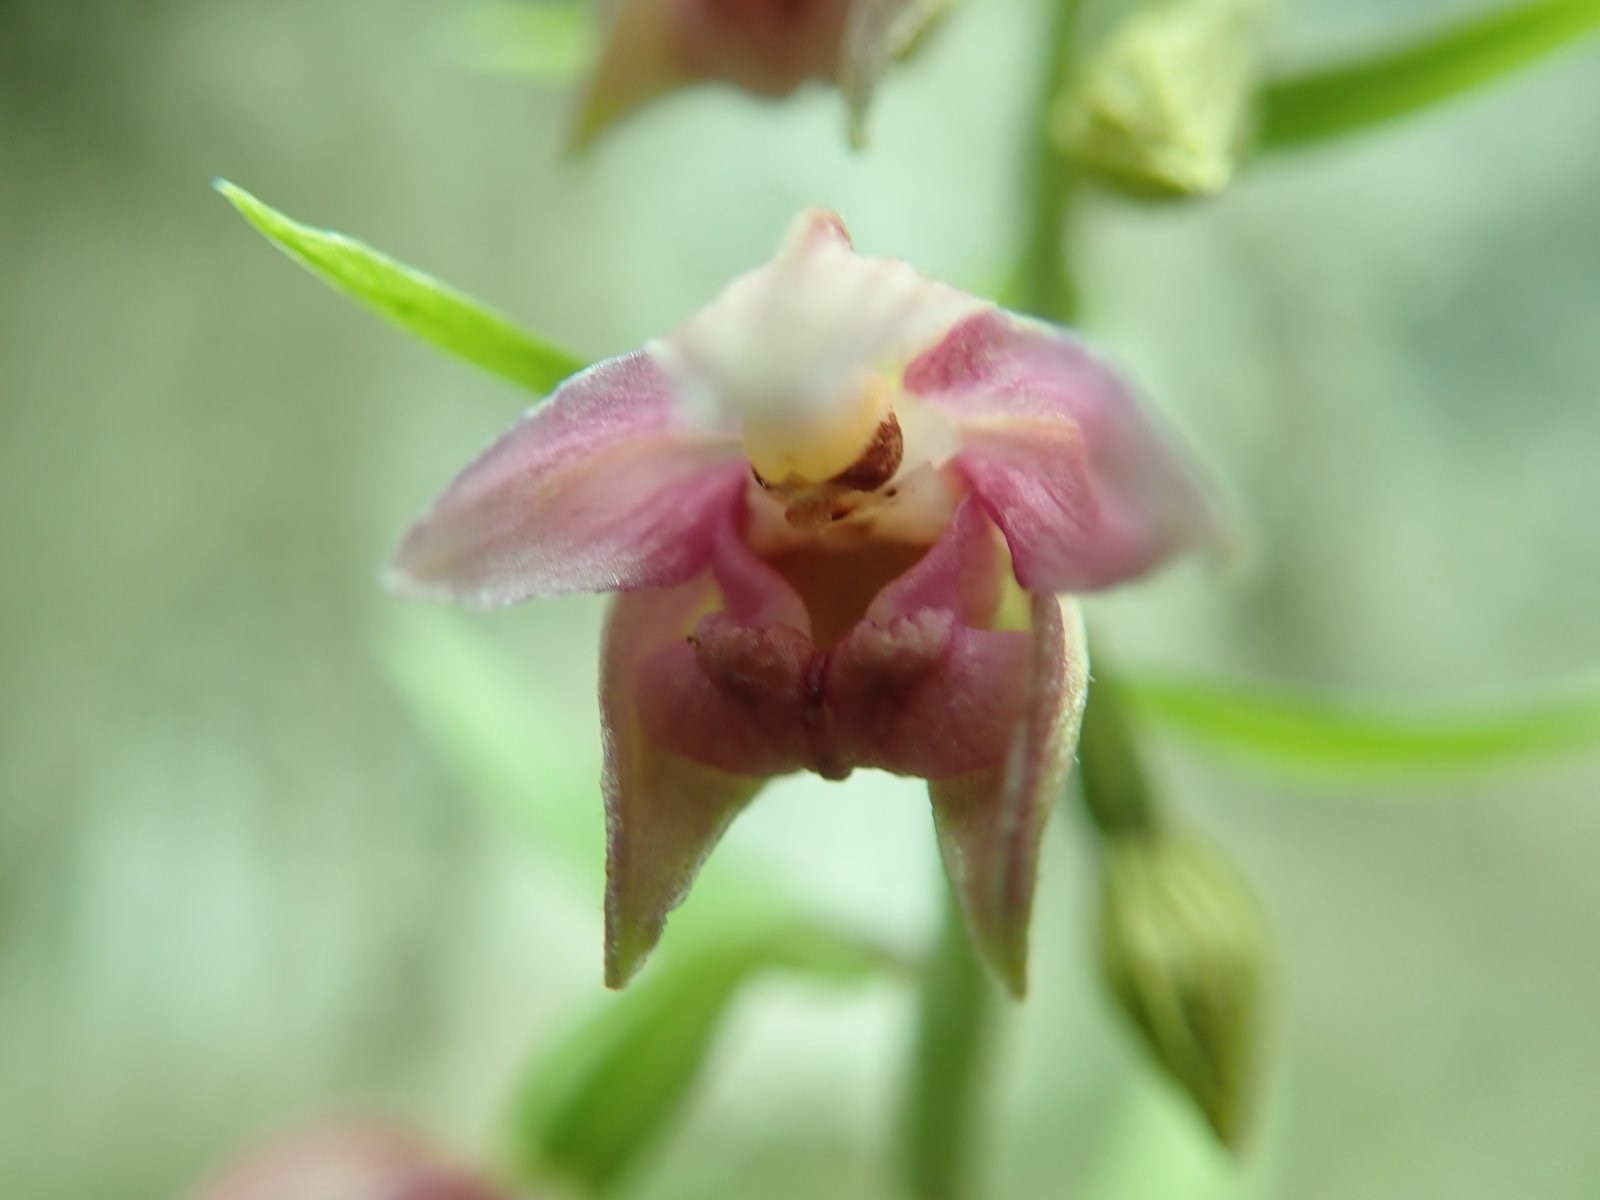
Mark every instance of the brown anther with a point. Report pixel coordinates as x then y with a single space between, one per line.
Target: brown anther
878 462
760 482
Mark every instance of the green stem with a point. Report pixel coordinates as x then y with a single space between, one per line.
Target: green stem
955 1006
1045 285
955 1003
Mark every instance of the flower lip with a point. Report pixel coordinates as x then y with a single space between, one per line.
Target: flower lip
839 660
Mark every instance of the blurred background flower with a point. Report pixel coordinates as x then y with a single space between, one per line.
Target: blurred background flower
767 47
347 1160
244 872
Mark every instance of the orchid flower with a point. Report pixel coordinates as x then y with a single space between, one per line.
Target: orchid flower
769 47
839 508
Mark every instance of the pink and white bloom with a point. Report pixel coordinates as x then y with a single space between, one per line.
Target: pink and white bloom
768 47
840 507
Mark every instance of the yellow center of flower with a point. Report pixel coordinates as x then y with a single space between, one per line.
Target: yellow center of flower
817 444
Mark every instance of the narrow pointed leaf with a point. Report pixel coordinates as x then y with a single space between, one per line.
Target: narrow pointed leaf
1298 110
1297 729
415 302
614 1085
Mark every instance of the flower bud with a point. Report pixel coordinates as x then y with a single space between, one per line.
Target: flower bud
1163 105
1182 948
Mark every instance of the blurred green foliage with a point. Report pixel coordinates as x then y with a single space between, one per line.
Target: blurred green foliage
615 1085
241 880
1369 740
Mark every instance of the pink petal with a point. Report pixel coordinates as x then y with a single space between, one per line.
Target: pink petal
1087 487
990 821
598 489
664 812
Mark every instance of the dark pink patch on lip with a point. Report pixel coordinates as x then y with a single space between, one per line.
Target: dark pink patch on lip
911 688
917 695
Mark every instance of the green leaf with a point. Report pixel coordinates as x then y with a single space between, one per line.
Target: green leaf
613 1086
412 300
1300 730
549 42
1301 109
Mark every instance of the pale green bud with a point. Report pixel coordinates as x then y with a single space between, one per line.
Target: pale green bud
1183 949
1164 103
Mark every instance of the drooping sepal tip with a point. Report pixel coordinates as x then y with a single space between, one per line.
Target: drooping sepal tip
658 837
990 824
